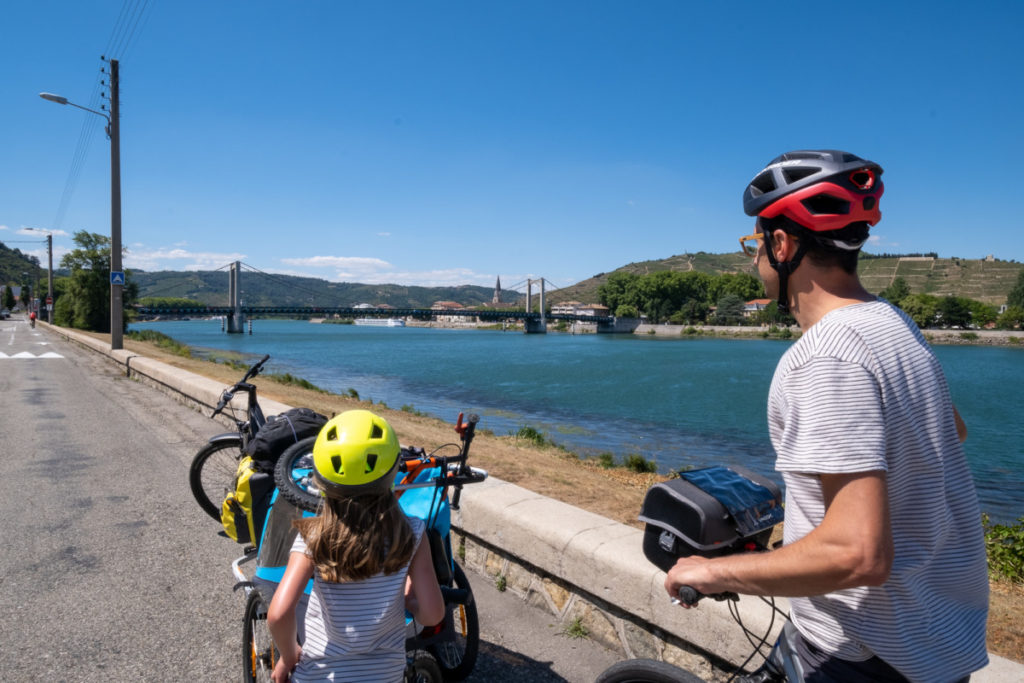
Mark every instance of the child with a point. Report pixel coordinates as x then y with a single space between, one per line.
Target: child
366 559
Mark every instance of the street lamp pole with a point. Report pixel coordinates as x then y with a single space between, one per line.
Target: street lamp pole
49 273
114 131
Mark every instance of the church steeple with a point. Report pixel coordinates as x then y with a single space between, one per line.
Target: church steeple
497 292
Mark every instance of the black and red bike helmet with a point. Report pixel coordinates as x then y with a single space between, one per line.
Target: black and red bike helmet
815 194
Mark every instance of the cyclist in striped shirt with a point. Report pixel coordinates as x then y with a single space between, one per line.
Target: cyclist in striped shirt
367 561
883 552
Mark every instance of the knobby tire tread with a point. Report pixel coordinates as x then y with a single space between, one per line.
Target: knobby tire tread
288 489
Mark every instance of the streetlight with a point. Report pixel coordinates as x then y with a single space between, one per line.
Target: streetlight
49 273
116 273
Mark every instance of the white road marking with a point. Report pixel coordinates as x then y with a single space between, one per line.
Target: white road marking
26 354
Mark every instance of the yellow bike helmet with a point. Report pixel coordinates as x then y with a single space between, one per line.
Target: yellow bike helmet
355 452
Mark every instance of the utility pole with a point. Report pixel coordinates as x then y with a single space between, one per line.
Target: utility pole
49 278
116 287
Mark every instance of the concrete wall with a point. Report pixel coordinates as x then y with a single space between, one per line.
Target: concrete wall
575 564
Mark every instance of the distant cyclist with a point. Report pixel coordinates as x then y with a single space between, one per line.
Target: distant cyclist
368 561
883 552
32 319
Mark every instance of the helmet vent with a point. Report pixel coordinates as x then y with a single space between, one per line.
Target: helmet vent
762 183
869 203
376 432
790 156
847 158
795 173
826 204
371 462
336 462
332 434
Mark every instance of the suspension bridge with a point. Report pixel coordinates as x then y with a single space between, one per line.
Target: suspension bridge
236 313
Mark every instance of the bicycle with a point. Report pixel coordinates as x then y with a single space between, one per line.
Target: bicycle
422 488
212 472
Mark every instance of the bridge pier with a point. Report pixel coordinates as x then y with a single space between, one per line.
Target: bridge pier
535 325
236 319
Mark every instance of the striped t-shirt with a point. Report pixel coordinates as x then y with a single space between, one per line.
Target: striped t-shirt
355 631
861 391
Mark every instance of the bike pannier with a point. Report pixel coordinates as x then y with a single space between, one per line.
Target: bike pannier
709 512
245 508
280 432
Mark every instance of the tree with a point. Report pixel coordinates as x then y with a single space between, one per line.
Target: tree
619 289
8 298
981 313
730 310
1016 295
896 291
743 285
626 311
922 308
88 288
1011 318
954 312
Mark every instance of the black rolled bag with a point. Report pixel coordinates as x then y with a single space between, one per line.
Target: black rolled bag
280 432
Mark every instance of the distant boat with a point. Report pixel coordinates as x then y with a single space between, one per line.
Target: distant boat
381 322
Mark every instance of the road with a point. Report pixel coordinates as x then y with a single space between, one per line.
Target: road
111 572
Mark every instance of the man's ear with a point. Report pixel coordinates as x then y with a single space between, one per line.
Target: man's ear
783 245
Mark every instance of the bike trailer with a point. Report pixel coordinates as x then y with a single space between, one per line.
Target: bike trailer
709 512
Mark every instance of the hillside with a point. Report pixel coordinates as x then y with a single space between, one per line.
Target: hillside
13 263
984 280
262 289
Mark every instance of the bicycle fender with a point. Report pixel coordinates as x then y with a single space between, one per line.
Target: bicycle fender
227 436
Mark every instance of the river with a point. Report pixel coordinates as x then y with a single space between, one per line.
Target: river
681 402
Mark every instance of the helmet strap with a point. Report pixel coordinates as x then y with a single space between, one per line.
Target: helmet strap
784 269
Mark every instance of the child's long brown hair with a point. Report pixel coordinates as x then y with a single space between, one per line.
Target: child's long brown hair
356 537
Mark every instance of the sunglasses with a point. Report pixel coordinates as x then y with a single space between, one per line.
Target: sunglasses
751 243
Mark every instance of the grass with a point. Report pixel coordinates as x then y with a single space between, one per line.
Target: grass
163 341
575 629
288 378
501 583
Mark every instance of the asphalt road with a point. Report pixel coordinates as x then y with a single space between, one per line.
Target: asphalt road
111 572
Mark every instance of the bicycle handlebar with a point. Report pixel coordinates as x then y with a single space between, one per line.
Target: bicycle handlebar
255 369
690 596
229 393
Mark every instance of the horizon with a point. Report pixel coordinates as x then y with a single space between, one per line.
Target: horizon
423 145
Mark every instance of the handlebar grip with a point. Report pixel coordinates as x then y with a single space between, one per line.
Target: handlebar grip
688 595
473 418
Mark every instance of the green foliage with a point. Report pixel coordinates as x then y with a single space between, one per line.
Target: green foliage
606 460
969 336
627 311
167 302
954 311
1016 295
8 301
501 583
528 433
638 463
982 314
922 308
896 291
288 378
575 629
406 408
88 287
352 393
1012 318
1004 545
161 340
730 310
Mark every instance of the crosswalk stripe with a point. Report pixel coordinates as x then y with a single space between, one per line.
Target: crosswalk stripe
26 354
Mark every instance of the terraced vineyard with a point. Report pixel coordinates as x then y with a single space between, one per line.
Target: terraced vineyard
983 280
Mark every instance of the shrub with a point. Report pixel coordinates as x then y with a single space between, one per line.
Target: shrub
606 460
162 341
1004 545
288 378
352 393
969 336
640 464
528 433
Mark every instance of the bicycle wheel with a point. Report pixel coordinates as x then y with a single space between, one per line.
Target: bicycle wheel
645 671
212 473
457 656
422 668
258 652
293 475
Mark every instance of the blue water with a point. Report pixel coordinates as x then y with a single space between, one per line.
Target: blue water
679 401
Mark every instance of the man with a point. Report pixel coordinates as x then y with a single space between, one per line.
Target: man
883 554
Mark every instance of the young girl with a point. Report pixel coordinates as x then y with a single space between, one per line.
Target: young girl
366 559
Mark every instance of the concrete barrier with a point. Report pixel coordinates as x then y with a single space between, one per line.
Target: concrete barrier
579 566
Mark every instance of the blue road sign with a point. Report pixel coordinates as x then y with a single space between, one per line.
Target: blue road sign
116 277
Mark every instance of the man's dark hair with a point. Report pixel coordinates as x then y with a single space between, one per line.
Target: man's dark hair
819 245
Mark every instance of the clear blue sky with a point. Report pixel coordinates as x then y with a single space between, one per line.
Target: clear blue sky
452 142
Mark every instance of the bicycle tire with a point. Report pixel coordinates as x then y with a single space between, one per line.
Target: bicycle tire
295 492
212 473
457 657
423 668
258 652
645 671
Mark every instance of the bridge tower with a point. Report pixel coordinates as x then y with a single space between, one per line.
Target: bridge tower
535 325
236 319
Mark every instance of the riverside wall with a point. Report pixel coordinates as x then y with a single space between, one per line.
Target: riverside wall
578 566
